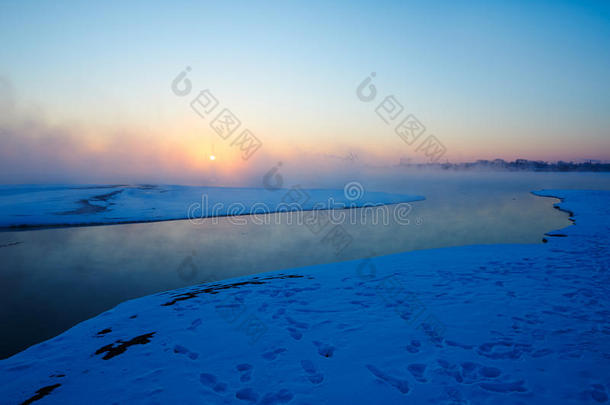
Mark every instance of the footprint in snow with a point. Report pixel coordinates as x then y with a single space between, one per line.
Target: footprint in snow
399 384
414 346
324 349
280 397
246 372
247 394
178 349
312 373
210 381
417 370
272 355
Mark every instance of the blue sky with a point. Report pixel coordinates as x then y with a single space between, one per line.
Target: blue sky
490 79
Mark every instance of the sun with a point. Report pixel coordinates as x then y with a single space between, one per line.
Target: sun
212 157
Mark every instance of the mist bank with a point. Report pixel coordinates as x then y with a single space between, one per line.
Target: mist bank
37 150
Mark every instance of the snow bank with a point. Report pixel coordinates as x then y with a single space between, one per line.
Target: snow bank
492 324
25 206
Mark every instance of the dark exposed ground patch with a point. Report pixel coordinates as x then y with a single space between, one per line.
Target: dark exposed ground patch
214 289
105 197
10 244
41 393
99 187
88 208
111 350
103 332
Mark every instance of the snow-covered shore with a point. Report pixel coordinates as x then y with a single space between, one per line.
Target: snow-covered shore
62 205
489 324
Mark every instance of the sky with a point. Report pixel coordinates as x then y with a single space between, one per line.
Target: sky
86 92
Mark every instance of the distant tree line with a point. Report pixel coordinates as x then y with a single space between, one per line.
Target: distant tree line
516 165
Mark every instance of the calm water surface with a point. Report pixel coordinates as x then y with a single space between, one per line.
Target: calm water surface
52 279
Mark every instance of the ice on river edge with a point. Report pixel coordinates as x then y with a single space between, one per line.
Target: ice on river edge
62 205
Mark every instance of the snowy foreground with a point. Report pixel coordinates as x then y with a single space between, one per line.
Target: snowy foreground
29 206
493 324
